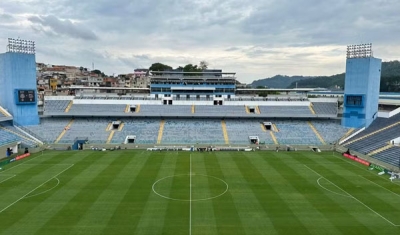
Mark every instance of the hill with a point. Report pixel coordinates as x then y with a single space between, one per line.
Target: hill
278 81
390 79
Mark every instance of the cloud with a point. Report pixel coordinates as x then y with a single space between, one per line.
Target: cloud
51 25
255 38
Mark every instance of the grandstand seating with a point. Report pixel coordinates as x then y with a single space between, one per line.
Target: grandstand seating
7 137
145 130
240 130
97 108
330 131
55 106
191 131
286 111
92 128
377 135
49 128
295 133
10 134
328 108
217 109
390 156
158 110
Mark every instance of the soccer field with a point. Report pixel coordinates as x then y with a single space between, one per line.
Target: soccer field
142 192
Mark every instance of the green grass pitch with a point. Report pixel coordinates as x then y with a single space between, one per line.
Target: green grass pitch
142 192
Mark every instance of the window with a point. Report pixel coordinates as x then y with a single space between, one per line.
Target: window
354 100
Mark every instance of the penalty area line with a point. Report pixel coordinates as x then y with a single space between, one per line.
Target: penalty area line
35 189
351 196
7 178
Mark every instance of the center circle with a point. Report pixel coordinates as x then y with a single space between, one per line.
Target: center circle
187 187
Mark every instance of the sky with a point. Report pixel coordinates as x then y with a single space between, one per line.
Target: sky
254 38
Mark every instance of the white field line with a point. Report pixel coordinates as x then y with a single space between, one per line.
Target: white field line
20 164
35 188
369 208
7 178
190 197
58 182
343 195
356 165
380 186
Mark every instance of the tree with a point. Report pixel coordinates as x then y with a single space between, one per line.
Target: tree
203 65
191 68
159 67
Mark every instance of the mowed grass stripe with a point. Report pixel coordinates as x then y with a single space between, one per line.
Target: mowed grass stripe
226 213
363 171
130 208
203 215
177 215
281 215
63 201
359 211
84 199
313 207
384 203
33 212
28 176
154 213
96 217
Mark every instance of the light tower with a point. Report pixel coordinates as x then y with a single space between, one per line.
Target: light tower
362 83
18 92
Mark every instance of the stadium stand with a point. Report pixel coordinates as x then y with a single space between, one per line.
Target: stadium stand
97 108
390 156
240 130
295 133
49 128
11 133
328 108
55 106
217 109
92 128
331 131
145 130
158 110
380 132
286 111
7 137
191 131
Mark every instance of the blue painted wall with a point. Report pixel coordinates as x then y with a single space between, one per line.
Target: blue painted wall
18 71
363 76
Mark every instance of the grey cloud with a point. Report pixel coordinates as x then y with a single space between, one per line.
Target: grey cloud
51 24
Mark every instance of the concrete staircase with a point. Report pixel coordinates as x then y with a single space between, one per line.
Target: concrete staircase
160 131
225 132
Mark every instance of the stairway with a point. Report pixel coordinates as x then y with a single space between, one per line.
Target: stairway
110 137
380 149
311 108
69 106
64 131
160 131
316 133
273 137
225 132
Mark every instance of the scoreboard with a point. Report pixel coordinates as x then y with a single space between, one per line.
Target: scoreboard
25 96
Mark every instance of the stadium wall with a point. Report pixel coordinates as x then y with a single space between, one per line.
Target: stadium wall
18 71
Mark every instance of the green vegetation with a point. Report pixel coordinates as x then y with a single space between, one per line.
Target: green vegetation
390 80
269 193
